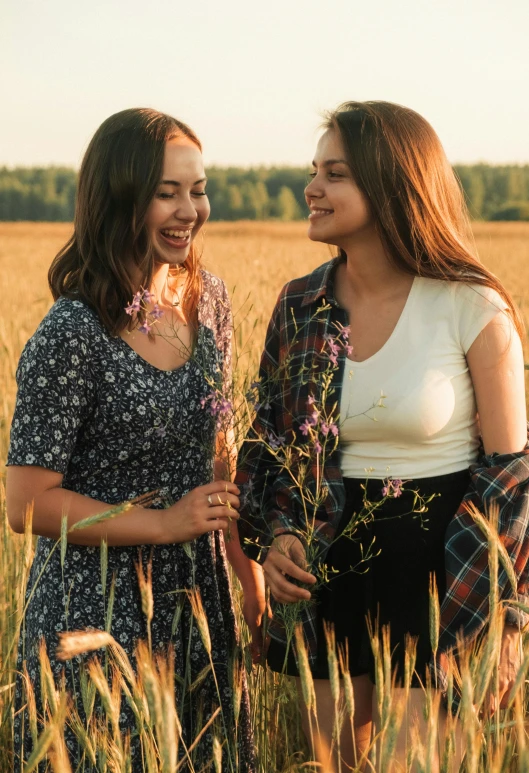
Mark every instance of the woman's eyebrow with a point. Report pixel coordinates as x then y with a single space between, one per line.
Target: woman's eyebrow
331 161
175 182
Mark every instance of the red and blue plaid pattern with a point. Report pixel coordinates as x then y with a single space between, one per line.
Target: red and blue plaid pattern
290 373
502 481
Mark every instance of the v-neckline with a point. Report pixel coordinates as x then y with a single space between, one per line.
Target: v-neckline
394 332
164 370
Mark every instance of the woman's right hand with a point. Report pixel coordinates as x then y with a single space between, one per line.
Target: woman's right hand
205 508
287 557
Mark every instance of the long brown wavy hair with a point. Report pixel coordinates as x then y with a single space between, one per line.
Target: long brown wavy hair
119 175
398 162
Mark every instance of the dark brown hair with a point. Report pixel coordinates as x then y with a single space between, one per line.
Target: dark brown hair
399 164
119 175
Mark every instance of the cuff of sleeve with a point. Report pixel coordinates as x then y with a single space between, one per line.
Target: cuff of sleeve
258 550
516 616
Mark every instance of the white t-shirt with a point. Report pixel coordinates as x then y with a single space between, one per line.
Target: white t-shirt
409 411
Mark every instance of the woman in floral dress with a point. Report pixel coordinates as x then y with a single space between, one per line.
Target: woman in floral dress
117 399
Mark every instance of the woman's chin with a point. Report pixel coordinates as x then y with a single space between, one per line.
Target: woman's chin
317 235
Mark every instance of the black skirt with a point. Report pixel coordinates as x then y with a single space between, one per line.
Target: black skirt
390 588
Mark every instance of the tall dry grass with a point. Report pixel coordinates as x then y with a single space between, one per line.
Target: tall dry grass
255 259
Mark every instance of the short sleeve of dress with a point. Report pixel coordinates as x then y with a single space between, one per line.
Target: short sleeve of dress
474 307
54 389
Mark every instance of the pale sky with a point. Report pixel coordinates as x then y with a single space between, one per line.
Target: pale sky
252 78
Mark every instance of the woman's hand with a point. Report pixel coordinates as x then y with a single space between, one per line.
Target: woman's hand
510 662
205 508
287 557
255 611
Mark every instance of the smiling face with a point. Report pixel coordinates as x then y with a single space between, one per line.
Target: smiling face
339 211
180 206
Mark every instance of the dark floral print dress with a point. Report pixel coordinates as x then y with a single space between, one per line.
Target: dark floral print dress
116 427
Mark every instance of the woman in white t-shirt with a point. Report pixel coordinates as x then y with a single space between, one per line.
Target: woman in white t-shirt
434 340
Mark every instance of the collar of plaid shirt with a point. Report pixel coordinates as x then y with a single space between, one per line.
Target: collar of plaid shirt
270 506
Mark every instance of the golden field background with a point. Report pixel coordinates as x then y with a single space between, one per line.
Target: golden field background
255 260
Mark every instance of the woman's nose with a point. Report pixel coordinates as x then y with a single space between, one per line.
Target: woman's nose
185 209
312 189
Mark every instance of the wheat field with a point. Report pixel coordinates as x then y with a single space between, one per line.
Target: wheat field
255 260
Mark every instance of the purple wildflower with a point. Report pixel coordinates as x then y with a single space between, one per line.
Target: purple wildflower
345 332
156 313
148 296
214 405
317 447
223 406
276 441
305 427
313 420
145 328
392 488
397 487
311 400
334 429
135 305
325 428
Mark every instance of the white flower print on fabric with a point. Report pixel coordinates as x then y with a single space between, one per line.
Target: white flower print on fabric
116 427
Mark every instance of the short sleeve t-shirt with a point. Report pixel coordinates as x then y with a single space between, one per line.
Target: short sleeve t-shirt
409 411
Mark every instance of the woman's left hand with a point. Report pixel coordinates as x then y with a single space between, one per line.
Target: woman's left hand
510 662
255 611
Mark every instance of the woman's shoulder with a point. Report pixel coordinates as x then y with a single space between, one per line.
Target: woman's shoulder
68 323
69 315
461 296
214 307
213 286
468 305
311 286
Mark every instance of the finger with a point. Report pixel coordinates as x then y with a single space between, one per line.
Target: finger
285 565
218 511
218 487
283 590
489 706
504 692
224 499
286 598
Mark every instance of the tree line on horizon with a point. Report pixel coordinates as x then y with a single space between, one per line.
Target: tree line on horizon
260 193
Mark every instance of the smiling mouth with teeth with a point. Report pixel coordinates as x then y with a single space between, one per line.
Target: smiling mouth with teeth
318 211
176 234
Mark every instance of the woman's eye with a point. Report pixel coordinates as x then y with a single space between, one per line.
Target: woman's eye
199 193
312 175
335 174
165 195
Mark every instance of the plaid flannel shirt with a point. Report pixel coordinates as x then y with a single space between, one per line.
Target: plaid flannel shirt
502 480
290 372
270 505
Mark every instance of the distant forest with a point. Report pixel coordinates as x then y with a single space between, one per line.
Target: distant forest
48 194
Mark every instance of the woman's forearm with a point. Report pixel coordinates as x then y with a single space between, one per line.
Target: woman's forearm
135 526
249 573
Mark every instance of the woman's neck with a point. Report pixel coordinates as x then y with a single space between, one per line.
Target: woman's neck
368 270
